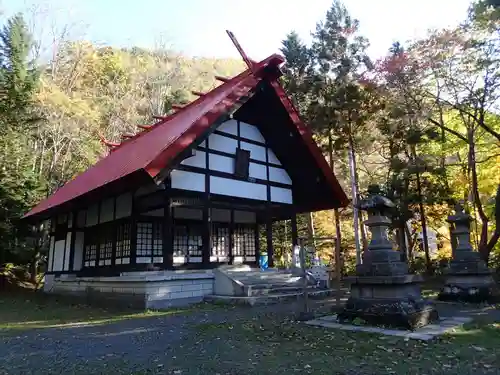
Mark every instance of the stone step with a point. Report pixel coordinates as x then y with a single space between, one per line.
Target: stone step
263 275
269 299
257 280
266 289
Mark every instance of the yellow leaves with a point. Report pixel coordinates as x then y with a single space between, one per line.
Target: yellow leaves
56 104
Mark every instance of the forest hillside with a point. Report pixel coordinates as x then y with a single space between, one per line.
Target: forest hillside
422 122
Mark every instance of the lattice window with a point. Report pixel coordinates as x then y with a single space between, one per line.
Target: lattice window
149 244
180 244
106 246
90 253
244 243
158 240
187 243
220 243
123 243
144 238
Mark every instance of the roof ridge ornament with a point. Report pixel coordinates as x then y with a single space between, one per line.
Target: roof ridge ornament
250 63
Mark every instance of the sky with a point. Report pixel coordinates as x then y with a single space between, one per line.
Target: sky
197 27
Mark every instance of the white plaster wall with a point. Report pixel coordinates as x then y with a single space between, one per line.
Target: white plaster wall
235 188
256 152
251 132
221 163
281 195
221 143
230 126
192 181
78 256
279 175
198 160
272 157
257 171
188 180
58 255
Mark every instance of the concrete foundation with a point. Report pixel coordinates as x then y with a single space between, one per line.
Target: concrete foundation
142 290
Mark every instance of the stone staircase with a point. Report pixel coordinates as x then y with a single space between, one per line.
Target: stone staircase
251 286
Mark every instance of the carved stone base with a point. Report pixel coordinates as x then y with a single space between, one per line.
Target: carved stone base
388 300
474 288
399 313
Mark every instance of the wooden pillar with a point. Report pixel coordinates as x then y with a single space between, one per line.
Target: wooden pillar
257 243
114 227
167 230
269 240
207 235
99 235
73 239
231 242
133 232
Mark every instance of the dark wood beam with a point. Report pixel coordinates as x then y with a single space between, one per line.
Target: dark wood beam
167 240
73 240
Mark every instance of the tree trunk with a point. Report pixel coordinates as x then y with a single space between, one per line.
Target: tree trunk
336 218
496 234
483 241
352 170
423 220
34 268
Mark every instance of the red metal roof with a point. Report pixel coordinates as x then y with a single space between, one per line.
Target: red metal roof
152 150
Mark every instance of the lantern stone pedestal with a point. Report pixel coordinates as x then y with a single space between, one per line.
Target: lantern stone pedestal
383 292
468 279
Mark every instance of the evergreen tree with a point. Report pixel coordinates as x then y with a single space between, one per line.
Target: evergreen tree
297 70
18 76
20 187
342 106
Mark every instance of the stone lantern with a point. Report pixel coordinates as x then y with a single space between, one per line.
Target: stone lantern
382 291
467 277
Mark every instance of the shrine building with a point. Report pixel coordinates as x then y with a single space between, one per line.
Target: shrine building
166 207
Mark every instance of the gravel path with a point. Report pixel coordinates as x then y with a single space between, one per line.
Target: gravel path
164 345
130 346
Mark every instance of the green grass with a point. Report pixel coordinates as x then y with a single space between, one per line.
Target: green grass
270 344
24 310
278 347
